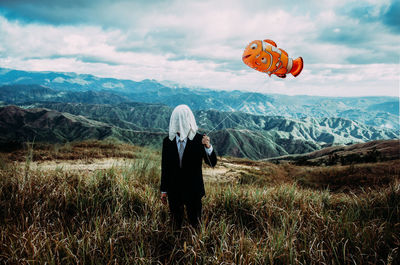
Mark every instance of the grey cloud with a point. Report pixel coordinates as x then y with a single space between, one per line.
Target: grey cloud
392 16
175 42
345 35
376 55
60 12
364 13
79 57
41 12
96 59
159 41
364 35
388 15
48 3
167 40
233 65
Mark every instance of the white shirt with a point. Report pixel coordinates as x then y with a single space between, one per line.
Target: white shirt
208 150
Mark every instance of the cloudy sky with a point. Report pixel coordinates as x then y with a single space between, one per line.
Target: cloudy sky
350 48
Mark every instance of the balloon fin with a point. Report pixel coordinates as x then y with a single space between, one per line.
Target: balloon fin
271 42
284 52
297 66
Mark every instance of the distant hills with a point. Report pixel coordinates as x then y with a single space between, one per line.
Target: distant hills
241 134
19 125
373 151
21 86
15 94
62 107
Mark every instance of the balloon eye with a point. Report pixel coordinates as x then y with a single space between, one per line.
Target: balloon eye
253 46
264 60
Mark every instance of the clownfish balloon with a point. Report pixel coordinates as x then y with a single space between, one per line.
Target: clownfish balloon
264 56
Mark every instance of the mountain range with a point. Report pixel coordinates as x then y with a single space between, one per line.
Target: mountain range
62 107
21 86
233 134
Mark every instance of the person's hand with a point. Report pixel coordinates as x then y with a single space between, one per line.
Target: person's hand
164 198
206 141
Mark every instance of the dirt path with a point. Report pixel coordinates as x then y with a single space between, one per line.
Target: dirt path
224 171
80 165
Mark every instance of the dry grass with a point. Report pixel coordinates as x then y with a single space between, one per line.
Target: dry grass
349 178
86 150
276 216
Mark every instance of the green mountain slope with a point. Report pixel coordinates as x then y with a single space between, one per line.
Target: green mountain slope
71 87
147 124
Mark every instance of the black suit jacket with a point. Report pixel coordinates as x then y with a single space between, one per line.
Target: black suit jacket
187 181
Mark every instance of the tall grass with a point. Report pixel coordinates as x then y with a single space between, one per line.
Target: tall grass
115 216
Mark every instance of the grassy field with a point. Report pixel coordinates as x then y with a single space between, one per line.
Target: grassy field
261 214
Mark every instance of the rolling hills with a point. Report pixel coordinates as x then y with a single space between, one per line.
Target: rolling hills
236 134
370 152
62 107
20 86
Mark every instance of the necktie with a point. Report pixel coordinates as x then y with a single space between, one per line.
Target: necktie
180 151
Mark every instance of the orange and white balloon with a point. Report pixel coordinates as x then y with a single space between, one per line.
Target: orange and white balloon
264 56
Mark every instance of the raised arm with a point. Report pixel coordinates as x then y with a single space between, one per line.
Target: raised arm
209 155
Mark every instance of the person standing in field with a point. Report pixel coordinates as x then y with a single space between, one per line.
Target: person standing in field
183 152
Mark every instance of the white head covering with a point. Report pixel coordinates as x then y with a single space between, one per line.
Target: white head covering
182 121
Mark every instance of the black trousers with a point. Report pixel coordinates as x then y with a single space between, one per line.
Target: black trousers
193 209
